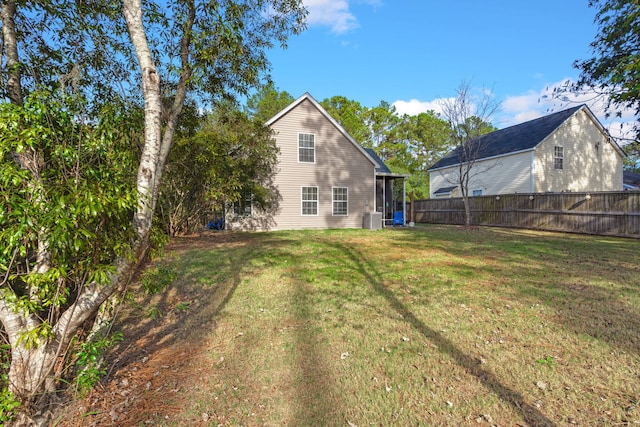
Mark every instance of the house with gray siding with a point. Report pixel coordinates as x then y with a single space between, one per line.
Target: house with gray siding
568 150
324 178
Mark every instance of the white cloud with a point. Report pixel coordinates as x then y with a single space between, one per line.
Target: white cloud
516 104
521 108
335 13
413 107
332 13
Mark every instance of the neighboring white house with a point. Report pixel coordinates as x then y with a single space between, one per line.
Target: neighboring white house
565 151
325 179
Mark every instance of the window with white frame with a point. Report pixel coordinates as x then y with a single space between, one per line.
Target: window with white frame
558 157
309 200
306 148
340 200
477 193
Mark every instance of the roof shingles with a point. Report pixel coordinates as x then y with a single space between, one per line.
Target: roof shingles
382 169
524 136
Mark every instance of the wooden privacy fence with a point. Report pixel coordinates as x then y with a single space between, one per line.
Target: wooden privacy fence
610 213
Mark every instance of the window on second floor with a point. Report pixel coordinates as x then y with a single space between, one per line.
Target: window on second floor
477 193
306 148
558 157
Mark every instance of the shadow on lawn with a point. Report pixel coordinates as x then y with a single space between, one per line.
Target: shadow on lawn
197 320
222 275
559 271
159 337
315 397
314 394
368 271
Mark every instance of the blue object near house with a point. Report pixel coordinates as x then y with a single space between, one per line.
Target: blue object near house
216 225
398 218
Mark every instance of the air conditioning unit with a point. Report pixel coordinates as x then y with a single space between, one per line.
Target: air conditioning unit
372 220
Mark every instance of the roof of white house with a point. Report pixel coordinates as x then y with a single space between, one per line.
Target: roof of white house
522 137
445 190
631 179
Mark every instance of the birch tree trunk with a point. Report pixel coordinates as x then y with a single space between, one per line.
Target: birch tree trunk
31 376
13 86
180 95
150 159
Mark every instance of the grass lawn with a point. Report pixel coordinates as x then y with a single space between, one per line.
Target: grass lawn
425 326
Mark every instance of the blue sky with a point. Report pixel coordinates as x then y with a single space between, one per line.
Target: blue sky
411 53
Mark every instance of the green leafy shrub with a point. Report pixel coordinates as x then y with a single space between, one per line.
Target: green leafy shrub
66 209
155 279
89 361
8 402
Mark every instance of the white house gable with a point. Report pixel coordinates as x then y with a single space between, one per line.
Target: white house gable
579 156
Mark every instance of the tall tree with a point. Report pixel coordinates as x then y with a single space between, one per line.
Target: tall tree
612 73
13 85
427 136
214 50
351 116
229 157
381 121
60 229
614 68
468 117
408 144
68 45
267 102
427 139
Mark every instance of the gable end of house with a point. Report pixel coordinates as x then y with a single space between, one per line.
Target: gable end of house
307 97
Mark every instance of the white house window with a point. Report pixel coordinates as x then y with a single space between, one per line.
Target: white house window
558 157
306 148
477 193
340 201
309 200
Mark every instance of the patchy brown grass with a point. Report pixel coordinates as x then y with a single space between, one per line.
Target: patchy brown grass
429 326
